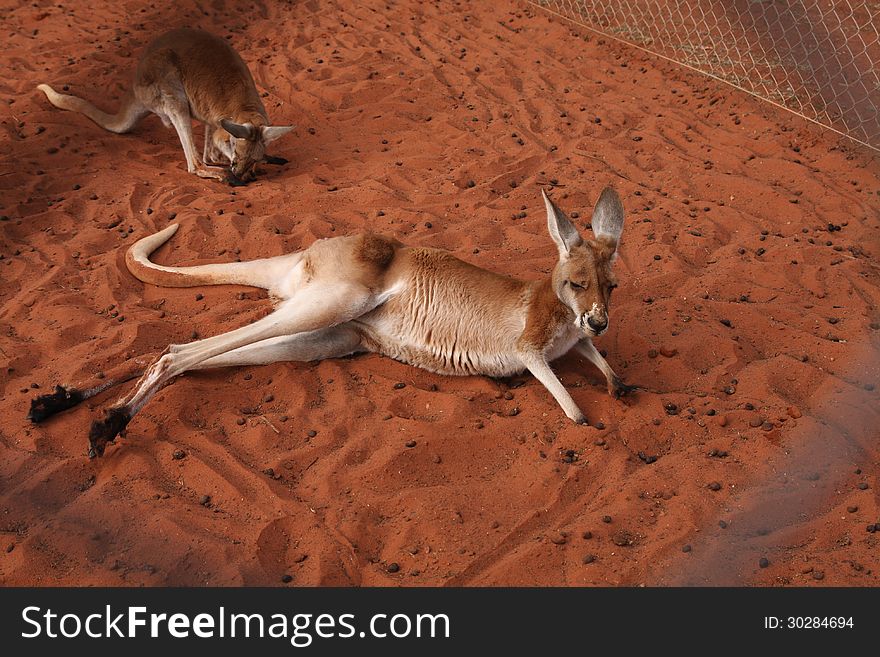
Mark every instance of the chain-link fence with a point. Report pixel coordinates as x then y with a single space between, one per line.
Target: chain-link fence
817 58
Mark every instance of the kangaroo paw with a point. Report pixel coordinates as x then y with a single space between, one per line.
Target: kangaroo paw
235 181
618 388
217 173
105 431
45 406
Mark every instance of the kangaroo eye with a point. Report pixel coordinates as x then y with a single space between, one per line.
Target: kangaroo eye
575 285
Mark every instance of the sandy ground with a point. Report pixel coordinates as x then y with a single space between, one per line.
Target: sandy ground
748 310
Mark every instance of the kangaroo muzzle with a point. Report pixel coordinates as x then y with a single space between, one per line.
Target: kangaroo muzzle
596 319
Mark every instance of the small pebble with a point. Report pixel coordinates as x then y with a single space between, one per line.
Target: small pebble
715 486
410 443
287 579
590 558
205 500
393 567
686 548
764 562
606 519
178 454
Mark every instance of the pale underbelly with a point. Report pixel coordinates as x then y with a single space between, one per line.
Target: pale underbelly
449 361
465 361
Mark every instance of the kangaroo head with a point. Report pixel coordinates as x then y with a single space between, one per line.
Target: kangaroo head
247 145
582 279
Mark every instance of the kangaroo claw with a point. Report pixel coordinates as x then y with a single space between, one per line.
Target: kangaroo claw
105 431
620 389
45 406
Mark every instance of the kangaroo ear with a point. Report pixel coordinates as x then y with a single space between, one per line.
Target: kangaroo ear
238 130
273 132
561 229
607 220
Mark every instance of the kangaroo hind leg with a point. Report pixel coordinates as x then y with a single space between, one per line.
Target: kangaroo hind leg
311 309
304 347
67 396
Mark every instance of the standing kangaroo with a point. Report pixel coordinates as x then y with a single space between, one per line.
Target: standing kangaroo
186 74
368 293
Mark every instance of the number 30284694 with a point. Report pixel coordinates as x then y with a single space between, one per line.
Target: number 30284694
807 622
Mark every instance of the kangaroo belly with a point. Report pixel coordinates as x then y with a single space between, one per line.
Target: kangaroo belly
447 316
455 358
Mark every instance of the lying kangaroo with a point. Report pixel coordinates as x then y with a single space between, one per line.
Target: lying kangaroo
367 293
186 74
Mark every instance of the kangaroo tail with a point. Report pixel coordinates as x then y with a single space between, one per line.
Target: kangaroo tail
124 120
264 273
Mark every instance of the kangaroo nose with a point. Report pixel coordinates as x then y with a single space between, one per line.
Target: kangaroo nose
597 325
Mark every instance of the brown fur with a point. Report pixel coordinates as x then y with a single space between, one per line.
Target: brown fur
185 74
376 250
546 314
422 306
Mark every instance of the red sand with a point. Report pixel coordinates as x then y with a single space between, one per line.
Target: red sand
398 109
